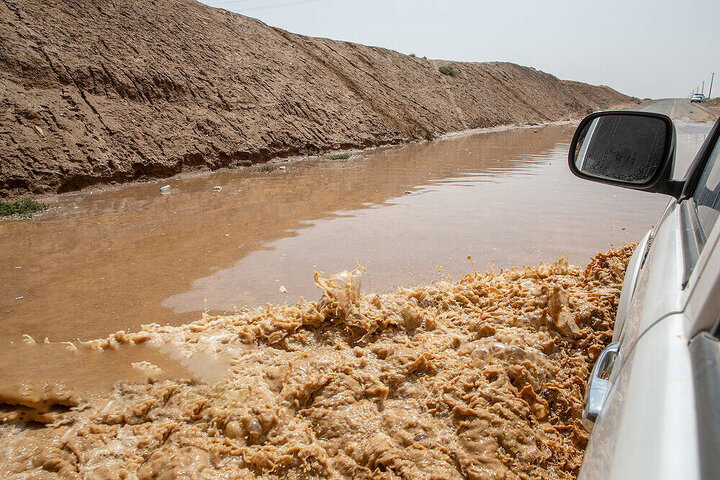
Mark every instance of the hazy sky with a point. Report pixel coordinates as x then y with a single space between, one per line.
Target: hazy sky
642 48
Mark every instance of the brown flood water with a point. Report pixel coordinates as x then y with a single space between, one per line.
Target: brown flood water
100 262
106 261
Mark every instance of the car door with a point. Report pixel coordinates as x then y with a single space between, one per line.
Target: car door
668 353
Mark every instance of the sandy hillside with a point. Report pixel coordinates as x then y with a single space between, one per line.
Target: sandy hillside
713 105
98 91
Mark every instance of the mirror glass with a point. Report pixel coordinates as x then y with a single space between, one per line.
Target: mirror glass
625 148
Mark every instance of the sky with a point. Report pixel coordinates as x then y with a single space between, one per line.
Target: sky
642 48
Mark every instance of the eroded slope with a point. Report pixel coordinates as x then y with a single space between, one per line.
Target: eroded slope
96 91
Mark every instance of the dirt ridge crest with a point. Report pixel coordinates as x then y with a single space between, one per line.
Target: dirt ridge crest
96 92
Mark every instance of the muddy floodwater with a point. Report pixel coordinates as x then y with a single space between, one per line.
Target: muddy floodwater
481 376
103 261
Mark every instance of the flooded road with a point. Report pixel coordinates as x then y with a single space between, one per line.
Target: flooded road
106 261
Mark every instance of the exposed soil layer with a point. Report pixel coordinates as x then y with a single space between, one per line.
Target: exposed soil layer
713 105
479 378
100 92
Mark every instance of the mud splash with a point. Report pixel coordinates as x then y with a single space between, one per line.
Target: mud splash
479 378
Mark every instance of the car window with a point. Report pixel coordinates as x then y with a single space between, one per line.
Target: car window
707 192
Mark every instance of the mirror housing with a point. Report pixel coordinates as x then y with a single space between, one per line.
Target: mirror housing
626 148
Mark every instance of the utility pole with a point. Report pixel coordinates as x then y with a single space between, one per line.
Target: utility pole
712 77
703 88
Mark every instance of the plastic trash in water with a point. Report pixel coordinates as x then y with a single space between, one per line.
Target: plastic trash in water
165 189
217 188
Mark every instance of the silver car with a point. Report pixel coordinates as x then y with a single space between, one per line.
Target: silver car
653 399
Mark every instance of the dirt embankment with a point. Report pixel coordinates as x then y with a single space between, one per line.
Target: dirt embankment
97 92
482 378
713 105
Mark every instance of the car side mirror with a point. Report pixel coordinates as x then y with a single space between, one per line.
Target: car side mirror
626 148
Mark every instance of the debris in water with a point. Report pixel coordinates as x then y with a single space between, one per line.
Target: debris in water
217 188
283 289
148 369
165 189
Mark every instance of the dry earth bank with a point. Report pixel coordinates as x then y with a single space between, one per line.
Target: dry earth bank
100 92
713 105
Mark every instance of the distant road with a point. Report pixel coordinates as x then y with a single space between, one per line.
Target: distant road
678 109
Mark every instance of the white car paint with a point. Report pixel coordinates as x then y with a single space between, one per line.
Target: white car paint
648 425
648 430
629 284
650 408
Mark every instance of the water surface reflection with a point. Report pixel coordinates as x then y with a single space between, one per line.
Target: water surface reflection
114 260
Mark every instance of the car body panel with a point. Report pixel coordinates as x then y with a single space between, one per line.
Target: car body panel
650 406
632 272
658 286
649 425
647 428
